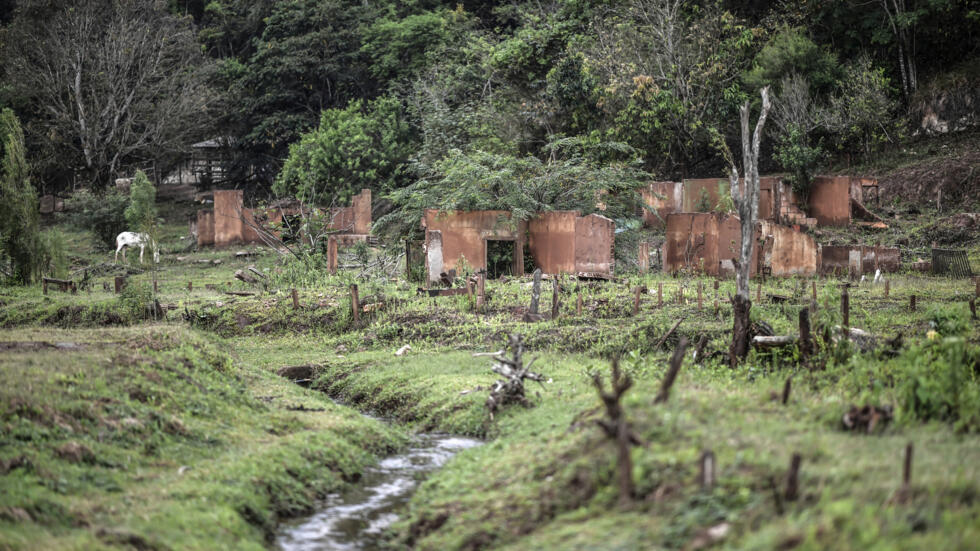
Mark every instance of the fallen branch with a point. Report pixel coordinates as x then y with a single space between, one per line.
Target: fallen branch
510 389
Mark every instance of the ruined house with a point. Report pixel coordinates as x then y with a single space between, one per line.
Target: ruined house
228 222
556 241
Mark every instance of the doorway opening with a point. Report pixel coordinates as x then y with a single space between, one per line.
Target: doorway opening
500 258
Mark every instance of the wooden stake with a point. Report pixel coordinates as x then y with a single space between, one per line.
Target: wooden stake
636 300
706 474
355 304
845 308
805 346
332 254
481 297
190 286
786 389
813 289
675 366
907 466
554 297
578 305
155 290
793 478
660 294
44 286
120 283
912 303
888 285
680 294
700 289
716 289
295 300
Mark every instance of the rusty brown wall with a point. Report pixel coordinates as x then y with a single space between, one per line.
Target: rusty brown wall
693 241
205 227
693 191
836 259
361 210
594 235
464 234
792 252
342 219
830 200
551 241
228 224
886 258
249 233
670 200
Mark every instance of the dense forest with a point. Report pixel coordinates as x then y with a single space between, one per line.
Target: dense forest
454 102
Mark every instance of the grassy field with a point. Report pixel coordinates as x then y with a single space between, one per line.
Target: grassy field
123 429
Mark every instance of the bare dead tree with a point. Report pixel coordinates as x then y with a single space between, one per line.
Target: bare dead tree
114 84
746 199
617 427
510 389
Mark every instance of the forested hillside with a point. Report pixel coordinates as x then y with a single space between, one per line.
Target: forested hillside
331 96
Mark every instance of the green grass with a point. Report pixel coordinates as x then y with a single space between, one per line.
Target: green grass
155 435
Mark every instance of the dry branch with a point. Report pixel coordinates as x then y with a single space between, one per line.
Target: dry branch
510 389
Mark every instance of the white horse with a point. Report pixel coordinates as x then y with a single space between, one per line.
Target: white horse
133 239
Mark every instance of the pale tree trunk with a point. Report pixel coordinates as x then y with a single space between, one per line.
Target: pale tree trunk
746 199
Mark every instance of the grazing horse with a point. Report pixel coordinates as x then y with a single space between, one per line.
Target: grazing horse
133 239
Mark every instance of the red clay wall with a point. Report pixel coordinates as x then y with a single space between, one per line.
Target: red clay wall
227 217
696 188
551 241
830 200
594 235
792 252
836 259
464 234
205 227
669 201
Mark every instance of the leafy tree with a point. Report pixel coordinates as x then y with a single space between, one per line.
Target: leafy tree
791 51
19 218
104 214
400 48
797 121
363 145
108 84
570 179
861 114
141 214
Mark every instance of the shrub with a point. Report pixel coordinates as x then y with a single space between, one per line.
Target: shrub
19 218
54 259
141 214
941 381
103 214
134 299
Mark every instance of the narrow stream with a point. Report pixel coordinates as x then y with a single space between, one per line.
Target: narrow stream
356 518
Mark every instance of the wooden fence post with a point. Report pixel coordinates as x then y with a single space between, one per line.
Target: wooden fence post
700 290
578 305
120 283
155 288
554 297
845 309
295 300
636 300
332 254
793 478
805 348
813 288
190 286
907 467
758 293
355 303
912 303
481 297
44 286
888 285
660 294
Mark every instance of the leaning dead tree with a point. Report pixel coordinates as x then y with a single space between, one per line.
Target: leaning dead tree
617 427
746 199
510 389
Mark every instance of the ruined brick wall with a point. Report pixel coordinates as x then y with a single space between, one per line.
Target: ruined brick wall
702 188
464 235
551 241
664 198
594 235
205 227
830 200
792 252
228 226
838 259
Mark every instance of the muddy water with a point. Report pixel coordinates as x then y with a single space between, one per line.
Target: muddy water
356 519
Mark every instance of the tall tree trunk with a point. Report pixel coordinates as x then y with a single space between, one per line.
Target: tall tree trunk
746 199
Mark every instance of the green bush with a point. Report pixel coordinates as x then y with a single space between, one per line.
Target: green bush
941 381
54 258
103 214
141 214
134 299
19 235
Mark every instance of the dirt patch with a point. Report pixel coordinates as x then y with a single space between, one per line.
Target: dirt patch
957 175
34 346
73 452
298 372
